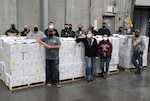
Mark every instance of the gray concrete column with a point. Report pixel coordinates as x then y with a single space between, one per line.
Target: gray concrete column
45 13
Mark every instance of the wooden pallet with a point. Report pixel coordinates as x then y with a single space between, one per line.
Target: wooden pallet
128 69
72 80
26 86
36 84
114 71
18 87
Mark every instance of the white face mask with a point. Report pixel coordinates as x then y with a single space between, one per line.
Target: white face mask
51 26
105 38
89 36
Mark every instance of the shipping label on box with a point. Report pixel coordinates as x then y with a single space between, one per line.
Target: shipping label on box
13 65
17 81
29 64
37 78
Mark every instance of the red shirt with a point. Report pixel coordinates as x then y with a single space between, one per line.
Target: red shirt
105 47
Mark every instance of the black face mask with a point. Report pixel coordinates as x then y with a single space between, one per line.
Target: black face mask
80 29
104 26
136 35
66 28
92 28
13 28
50 35
35 29
120 30
25 30
70 28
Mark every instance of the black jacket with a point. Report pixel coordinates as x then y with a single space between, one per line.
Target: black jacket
11 31
67 33
24 33
56 32
103 31
91 50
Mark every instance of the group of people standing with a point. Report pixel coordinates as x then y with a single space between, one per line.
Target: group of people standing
93 50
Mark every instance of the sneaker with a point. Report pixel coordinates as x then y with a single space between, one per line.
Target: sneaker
105 76
92 79
88 80
140 70
49 84
58 85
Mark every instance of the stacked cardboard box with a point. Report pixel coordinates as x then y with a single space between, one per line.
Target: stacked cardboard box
126 51
71 59
23 61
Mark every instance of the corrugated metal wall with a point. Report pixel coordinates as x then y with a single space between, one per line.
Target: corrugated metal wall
60 12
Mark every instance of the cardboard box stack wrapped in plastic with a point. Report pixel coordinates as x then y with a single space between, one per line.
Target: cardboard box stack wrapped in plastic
126 51
115 55
71 59
22 61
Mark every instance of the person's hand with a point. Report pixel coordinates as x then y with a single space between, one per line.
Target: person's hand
124 42
104 54
96 58
39 40
79 44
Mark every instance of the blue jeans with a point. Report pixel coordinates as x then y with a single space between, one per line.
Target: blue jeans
90 65
103 61
52 71
137 59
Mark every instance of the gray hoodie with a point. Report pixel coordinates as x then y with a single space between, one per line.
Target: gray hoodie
138 43
33 35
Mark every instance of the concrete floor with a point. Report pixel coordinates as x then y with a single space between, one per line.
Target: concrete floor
125 86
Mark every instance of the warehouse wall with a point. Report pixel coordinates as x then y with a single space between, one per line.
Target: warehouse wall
28 12
77 12
8 14
62 11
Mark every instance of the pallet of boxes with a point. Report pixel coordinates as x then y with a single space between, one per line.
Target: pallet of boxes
22 62
71 61
126 51
113 67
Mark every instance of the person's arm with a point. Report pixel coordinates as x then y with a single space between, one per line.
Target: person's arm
109 32
143 45
56 32
79 40
29 35
6 32
96 48
109 50
42 35
46 32
42 41
62 33
99 49
126 39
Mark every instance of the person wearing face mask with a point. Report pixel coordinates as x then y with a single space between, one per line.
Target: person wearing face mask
104 30
105 51
12 31
120 31
51 26
71 31
80 32
138 48
93 30
35 33
52 45
66 32
91 53
25 31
